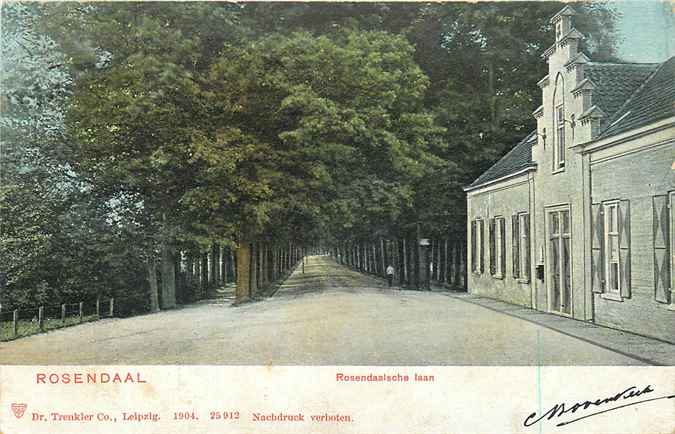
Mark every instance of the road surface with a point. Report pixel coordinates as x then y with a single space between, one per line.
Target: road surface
327 316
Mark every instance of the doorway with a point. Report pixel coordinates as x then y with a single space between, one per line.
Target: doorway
559 263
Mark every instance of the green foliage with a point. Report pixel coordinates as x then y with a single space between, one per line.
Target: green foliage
343 120
129 125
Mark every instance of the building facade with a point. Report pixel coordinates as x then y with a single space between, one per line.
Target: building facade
576 219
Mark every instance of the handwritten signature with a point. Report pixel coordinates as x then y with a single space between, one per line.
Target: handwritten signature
561 409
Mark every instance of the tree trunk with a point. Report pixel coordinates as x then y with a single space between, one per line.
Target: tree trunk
274 272
151 266
225 254
189 269
439 263
233 264
264 265
215 265
445 261
463 265
205 274
417 266
458 263
385 256
179 273
404 262
168 277
243 290
452 255
254 269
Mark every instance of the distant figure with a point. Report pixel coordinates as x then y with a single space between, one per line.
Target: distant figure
390 275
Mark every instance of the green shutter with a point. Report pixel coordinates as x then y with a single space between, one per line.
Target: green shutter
624 247
474 263
515 244
661 234
481 230
493 256
502 245
526 245
597 248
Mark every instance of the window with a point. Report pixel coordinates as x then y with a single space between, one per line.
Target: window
477 261
520 236
612 268
559 148
610 249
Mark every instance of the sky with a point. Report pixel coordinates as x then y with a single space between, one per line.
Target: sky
646 30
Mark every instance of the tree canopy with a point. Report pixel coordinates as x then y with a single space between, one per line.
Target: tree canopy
132 131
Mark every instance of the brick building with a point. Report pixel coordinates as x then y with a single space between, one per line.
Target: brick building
577 219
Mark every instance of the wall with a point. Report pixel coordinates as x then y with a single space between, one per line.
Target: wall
637 176
555 187
503 199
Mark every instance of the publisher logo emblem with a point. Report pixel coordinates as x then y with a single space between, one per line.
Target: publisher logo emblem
19 409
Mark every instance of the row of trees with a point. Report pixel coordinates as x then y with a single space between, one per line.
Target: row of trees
135 134
442 261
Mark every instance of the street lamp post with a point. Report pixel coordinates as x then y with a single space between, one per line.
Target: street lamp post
423 245
418 268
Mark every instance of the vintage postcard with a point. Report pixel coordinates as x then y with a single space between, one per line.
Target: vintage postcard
337 217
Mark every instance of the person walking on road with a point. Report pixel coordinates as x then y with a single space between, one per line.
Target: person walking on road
390 275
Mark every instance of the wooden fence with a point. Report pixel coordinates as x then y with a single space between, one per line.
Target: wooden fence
28 321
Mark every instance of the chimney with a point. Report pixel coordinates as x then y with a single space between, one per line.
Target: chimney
566 46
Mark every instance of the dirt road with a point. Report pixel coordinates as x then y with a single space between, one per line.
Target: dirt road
327 316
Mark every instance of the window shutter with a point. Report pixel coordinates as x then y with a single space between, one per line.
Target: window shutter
481 231
661 249
624 246
502 245
597 248
515 244
473 246
493 269
526 245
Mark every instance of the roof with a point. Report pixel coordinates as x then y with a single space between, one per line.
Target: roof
649 103
628 95
518 158
567 10
614 83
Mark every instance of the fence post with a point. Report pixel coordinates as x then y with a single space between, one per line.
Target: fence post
111 306
63 313
15 322
41 318
81 308
98 308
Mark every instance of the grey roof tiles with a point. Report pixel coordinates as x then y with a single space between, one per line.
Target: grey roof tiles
631 95
615 82
652 101
518 158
